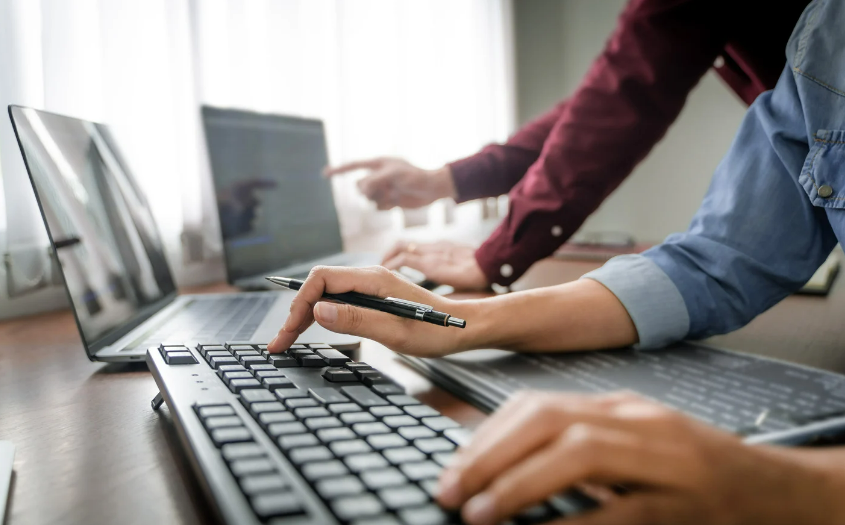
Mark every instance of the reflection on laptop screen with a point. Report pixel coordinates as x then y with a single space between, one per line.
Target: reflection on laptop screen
275 206
99 221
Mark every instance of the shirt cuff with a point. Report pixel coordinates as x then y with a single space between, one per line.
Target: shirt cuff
651 298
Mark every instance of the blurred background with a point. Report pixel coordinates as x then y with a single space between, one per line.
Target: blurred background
427 80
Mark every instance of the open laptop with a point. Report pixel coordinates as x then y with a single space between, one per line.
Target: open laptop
111 254
277 211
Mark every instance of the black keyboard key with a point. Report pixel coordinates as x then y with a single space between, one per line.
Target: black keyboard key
339 375
290 393
413 433
262 366
316 423
180 358
222 436
308 454
430 487
357 417
203 349
216 410
382 519
300 402
363 396
337 487
362 462
458 436
332 357
421 411
396 498
297 347
315 346
374 381
398 456
402 400
235 451
367 429
268 418
216 353
386 389
252 485
327 395
382 441
443 458
381 478
345 448
214 362
236 385
288 442
432 445
261 407
386 411
428 515
281 429
327 435
256 394
222 422
537 514
306 412
342 408
359 506
235 347
300 352
421 470
400 421
245 360
368 374
439 423
264 374
222 369
251 466
324 469
311 361
251 351
241 374
274 383
282 361
274 504
351 365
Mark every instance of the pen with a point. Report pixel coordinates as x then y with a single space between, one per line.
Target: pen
391 305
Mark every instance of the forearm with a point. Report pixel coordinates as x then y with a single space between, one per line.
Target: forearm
581 315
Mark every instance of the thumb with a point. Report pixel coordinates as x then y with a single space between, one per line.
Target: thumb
389 330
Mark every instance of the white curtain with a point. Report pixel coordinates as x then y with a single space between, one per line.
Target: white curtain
428 80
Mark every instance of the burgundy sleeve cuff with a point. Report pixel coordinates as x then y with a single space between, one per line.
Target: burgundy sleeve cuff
491 172
510 251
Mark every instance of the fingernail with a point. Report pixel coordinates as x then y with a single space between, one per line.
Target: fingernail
327 312
449 489
480 510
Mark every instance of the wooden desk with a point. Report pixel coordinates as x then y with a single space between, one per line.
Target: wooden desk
90 450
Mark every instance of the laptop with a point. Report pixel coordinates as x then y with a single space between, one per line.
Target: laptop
111 254
277 211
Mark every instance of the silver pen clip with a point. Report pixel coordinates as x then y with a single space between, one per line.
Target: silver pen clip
420 308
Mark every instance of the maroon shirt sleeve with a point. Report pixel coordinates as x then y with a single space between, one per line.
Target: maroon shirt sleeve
633 91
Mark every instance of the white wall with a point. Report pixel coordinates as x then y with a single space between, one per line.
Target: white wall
556 42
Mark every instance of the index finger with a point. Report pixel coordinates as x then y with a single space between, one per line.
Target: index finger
352 166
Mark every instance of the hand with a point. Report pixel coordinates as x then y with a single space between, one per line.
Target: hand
678 471
395 182
397 333
441 262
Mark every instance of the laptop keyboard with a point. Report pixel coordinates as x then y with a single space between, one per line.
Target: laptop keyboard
212 319
310 436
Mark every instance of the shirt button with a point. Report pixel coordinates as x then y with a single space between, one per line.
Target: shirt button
719 62
557 231
506 270
825 191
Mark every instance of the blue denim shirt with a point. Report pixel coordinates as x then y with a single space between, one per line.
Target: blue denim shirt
774 210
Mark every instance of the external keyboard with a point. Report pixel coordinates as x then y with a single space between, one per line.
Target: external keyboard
310 436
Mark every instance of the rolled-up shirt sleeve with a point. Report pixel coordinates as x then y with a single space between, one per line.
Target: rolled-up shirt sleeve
756 238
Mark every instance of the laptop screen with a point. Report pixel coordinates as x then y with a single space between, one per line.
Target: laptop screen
276 208
99 222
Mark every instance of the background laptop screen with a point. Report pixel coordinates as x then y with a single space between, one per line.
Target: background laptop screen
99 221
275 206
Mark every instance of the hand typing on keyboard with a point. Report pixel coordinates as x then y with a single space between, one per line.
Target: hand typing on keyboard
679 470
403 335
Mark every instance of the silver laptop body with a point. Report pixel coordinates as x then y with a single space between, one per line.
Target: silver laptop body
111 254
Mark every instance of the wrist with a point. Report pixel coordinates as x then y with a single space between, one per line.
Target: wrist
443 183
476 312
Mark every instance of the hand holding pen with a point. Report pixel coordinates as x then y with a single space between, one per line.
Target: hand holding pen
389 310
